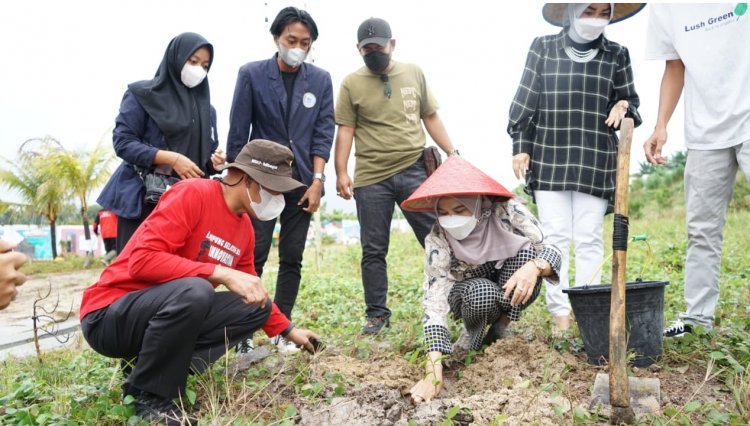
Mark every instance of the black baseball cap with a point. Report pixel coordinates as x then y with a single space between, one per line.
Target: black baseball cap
268 163
373 30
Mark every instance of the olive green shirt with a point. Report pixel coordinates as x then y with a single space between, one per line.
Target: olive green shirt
388 133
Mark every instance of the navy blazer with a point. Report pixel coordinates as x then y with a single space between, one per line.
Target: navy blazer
136 140
259 106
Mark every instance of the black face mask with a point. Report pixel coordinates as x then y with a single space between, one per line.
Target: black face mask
377 61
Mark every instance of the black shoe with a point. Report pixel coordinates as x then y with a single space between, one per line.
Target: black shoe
128 389
677 329
375 324
155 409
496 332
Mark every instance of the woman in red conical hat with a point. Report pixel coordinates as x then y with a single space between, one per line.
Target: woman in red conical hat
485 259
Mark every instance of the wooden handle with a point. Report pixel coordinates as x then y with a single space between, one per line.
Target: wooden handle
619 394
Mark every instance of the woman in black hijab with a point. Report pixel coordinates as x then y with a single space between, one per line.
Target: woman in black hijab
167 125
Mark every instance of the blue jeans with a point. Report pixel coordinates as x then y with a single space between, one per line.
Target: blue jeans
374 210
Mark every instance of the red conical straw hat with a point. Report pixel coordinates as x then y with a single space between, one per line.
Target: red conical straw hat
455 177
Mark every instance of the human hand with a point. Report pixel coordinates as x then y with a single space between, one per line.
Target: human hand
249 287
617 113
430 386
344 187
524 282
521 164
10 276
185 168
654 144
304 338
312 196
218 158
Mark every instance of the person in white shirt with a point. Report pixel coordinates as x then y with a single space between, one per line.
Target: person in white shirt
702 45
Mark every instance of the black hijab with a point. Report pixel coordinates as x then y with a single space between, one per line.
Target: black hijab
182 114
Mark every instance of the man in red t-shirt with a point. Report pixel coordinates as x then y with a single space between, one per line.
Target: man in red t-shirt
108 223
156 304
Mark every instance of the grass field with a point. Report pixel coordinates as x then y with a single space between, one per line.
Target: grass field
77 386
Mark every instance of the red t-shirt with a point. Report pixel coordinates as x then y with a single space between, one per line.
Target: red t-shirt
108 222
191 230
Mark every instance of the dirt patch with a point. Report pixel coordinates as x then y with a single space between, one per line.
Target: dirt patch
518 380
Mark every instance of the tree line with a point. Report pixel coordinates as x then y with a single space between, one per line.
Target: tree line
47 176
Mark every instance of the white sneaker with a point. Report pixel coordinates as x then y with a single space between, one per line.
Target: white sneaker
246 346
284 346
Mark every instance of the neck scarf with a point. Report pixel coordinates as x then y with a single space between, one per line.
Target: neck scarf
182 114
489 241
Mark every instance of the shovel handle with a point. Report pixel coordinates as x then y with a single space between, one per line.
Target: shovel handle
619 394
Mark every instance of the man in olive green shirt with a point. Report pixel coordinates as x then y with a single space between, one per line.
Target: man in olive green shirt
381 108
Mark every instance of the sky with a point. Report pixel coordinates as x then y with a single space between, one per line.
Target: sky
69 63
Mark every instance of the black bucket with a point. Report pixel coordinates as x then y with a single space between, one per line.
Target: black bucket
644 303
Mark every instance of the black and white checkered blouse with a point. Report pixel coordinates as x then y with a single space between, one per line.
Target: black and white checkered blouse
559 111
443 270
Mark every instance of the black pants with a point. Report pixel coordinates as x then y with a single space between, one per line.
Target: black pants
375 205
171 328
126 227
294 225
109 244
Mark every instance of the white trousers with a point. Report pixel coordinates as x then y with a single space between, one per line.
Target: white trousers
566 216
709 183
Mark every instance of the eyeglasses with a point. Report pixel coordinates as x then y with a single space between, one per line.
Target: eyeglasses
386 86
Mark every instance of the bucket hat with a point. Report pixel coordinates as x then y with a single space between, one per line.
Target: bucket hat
455 177
268 163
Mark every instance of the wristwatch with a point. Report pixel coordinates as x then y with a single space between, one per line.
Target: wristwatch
540 264
320 176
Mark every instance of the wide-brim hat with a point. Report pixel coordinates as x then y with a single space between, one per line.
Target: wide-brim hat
557 13
268 163
455 177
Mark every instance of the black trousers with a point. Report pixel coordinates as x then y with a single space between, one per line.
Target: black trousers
170 329
109 244
292 237
126 227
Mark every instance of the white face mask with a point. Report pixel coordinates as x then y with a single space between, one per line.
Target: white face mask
270 205
458 226
590 28
292 57
192 75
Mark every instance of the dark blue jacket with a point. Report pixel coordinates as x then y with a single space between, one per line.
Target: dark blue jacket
136 139
260 103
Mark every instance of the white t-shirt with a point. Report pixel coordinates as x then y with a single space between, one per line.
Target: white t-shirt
713 41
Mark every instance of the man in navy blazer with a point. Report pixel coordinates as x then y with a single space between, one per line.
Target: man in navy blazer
288 101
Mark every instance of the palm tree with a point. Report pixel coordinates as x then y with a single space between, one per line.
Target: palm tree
82 172
30 177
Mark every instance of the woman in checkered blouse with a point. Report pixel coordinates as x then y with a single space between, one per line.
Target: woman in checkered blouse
485 257
576 88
